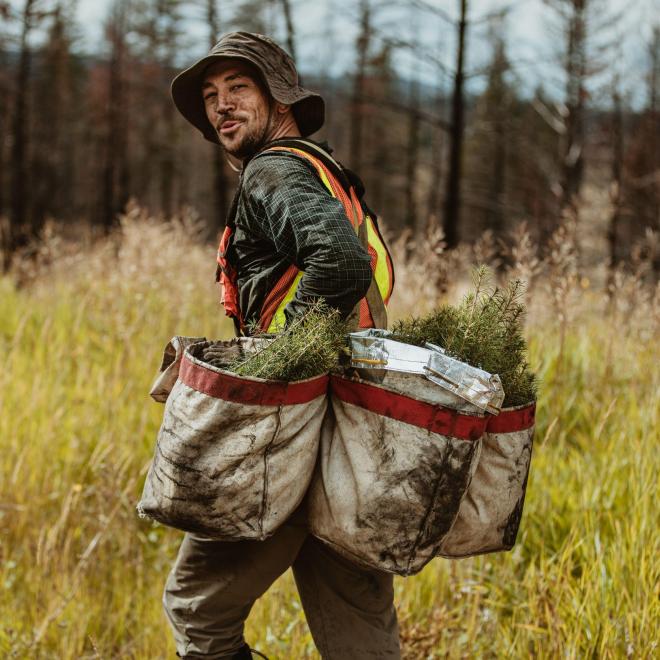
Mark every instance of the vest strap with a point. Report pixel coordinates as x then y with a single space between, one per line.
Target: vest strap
373 297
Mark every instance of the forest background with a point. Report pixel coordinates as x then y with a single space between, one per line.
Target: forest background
449 123
480 140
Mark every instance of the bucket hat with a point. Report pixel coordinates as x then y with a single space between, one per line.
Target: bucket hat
276 68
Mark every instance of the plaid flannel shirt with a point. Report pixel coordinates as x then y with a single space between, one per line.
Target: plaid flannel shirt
285 215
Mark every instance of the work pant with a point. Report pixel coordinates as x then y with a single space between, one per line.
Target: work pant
213 585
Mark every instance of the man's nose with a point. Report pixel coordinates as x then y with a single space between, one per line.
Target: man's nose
224 104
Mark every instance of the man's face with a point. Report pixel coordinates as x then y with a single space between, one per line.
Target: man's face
237 107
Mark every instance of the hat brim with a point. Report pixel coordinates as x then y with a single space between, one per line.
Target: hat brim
308 107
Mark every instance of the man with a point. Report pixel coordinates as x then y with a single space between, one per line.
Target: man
245 96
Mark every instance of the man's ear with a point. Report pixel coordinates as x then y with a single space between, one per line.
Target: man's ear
282 109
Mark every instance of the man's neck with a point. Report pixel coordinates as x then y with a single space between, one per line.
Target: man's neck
286 128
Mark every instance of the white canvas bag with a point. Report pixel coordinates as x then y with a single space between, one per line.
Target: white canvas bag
393 469
490 513
234 455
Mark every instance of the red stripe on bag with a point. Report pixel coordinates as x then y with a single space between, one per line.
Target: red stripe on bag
242 390
509 421
434 418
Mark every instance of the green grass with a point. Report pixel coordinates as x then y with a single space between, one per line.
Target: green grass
81 575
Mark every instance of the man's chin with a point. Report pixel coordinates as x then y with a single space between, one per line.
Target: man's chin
240 149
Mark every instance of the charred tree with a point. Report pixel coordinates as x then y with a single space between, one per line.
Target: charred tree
587 30
18 233
576 72
452 200
5 118
433 201
4 131
54 166
642 161
654 113
220 179
290 32
167 38
412 157
499 111
357 101
617 184
115 166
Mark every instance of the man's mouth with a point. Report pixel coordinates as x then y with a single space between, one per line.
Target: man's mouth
229 126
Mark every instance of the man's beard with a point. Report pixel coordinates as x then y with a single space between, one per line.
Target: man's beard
253 140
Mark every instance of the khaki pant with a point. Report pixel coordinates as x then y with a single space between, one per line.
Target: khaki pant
214 584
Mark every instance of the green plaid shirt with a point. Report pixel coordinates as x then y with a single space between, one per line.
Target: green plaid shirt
285 215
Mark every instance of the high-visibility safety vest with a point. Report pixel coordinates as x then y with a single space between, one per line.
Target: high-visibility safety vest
370 311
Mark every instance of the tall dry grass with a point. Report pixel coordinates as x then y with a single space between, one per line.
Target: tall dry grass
81 576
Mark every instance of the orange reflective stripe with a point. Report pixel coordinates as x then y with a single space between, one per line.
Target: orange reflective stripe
365 320
357 206
272 302
278 321
227 278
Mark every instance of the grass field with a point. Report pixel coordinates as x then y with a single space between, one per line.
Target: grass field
81 576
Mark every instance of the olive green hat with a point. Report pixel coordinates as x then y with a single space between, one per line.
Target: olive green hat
277 70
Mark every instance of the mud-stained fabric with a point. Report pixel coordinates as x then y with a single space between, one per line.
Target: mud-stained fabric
170 365
234 455
392 470
213 585
490 513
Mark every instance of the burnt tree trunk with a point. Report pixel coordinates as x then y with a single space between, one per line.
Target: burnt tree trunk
220 179
4 131
290 32
115 166
616 190
498 177
433 202
654 88
576 72
453 200
500 114
412 158
357 105
167 165
19 184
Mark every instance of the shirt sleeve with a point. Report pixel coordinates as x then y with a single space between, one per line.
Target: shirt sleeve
293 210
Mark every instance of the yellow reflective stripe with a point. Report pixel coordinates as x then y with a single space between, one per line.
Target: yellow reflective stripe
324 178
279 320
326 183
381 273
312 160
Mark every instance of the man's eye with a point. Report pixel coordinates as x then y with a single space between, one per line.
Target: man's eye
235 87
209 96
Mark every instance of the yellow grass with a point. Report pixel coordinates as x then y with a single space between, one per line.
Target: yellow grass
81 576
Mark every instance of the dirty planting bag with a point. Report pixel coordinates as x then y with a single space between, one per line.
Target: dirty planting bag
489 515
234 455
396 459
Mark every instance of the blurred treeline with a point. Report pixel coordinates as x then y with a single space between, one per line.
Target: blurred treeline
441 143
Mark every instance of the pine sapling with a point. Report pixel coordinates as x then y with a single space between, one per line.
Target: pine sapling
484 330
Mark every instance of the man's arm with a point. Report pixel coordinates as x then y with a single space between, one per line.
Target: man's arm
309 227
